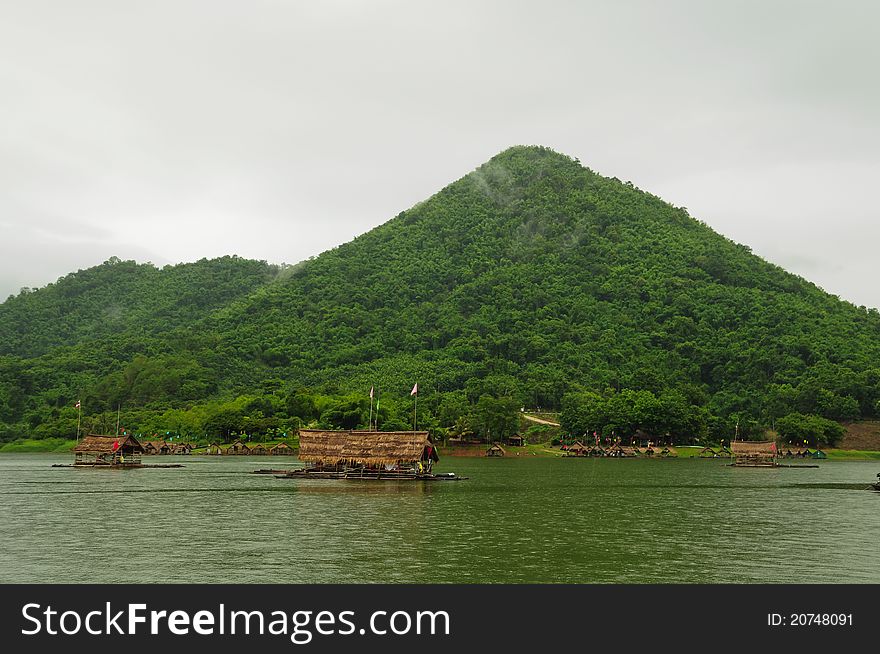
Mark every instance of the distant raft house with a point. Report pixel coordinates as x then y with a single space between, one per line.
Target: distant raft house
118 451
281 449
754 454
495 450
238 447
163 447
367 453
156 447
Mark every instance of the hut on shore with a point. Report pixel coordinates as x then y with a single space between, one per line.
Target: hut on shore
119 451
495 449
576 449
214 448
516 440
238 447
378 452
708 453
281 449
156 447
182 448
618 452
258 449
666 452
819 454
754 453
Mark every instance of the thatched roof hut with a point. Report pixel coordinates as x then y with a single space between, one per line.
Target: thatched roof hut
281 449
576 449
157 447
104 444
108 450
618 451
238 447
214 448
258 449
495 449
754 453
369 448
182 448
516 440
708 453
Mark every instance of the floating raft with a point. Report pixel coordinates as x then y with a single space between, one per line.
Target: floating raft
367 475
121 466
766 465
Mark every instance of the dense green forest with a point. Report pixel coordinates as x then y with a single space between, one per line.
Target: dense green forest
532 281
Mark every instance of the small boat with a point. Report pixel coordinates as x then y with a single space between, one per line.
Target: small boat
876 486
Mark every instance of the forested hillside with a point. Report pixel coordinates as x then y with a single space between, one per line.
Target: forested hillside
531 281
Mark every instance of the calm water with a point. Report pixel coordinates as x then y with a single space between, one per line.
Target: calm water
515 520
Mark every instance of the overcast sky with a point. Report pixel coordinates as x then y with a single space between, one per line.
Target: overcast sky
272 129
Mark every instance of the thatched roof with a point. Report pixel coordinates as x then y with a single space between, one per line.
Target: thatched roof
105 444
281 446
365 447
754 447
496 447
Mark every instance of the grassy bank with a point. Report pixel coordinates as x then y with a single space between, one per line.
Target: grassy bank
42 445
852 455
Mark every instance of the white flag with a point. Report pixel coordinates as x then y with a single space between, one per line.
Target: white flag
77 405
371 392
415 389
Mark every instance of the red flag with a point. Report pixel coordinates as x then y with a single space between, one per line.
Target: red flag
415 389
116 445
76 406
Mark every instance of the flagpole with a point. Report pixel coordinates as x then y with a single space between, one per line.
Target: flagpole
117 420
371 408
415 409
78 418
377 411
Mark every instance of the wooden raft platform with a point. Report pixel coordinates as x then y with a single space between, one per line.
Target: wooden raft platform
766 465
368 475
121 466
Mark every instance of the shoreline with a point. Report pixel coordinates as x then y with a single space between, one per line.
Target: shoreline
62 446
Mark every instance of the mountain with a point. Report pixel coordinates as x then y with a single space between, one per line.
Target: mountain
530 278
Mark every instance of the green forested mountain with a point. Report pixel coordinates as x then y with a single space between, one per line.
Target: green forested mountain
532 280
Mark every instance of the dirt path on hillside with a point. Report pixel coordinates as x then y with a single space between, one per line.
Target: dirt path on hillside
540 421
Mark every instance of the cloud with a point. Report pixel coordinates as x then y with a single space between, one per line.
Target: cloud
175 131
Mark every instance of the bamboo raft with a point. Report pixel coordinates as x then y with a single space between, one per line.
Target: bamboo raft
367 474
117 466
768 465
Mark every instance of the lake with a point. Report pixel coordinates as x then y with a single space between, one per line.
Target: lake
516 520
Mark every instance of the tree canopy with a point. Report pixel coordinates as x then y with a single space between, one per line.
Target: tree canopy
531 281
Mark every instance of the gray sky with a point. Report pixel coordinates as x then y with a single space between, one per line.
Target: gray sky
170 131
